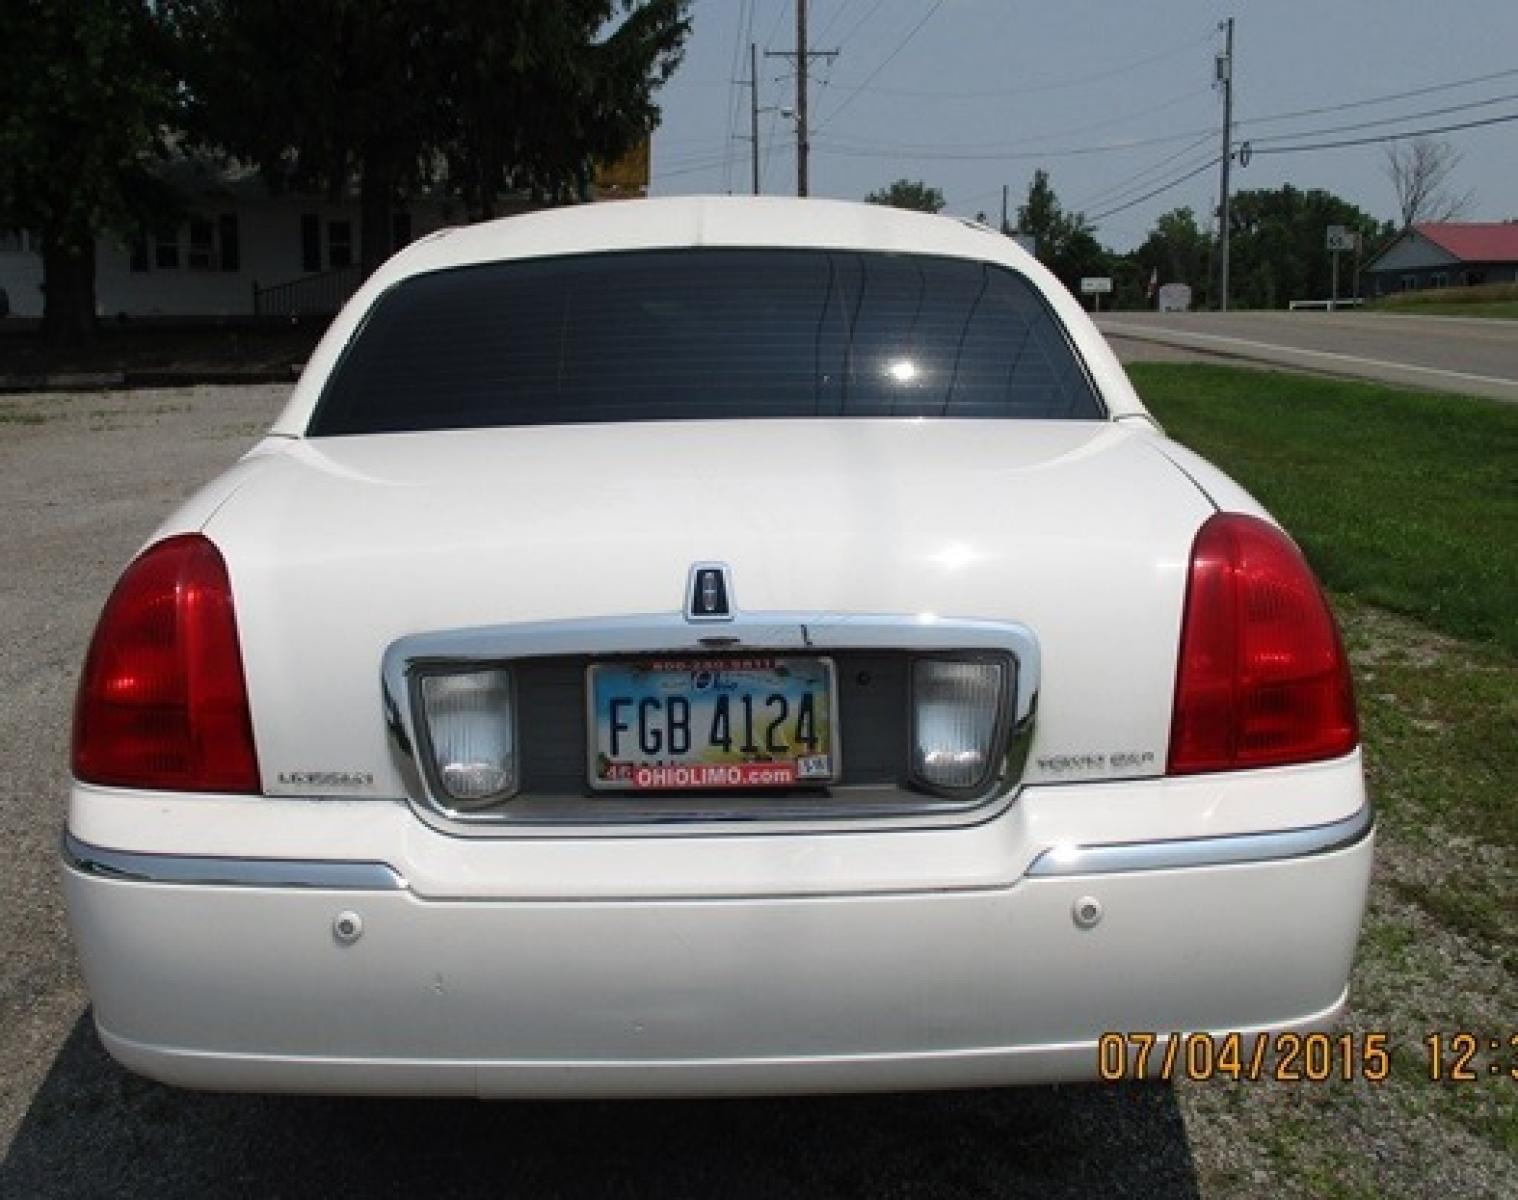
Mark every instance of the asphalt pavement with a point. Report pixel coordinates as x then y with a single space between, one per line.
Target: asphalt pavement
1474 356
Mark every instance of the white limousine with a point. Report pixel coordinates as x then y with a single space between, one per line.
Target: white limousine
710 646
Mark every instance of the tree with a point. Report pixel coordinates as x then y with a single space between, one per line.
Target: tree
909 193
84 96
1418 172
1277 243
1177 250
1065 241
486 95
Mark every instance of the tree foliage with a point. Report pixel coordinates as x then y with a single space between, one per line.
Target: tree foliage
85 93
1065 241
1177 250
909 193
1277 238
391 95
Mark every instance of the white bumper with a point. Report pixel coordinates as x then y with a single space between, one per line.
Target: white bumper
666 992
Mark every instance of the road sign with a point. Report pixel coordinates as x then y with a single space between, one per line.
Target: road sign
1341 238
1096 285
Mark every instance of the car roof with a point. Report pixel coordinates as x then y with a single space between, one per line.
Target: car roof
705 221
766 222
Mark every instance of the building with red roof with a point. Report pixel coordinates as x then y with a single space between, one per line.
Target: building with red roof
1435 254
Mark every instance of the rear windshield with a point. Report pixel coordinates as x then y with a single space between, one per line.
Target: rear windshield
676 335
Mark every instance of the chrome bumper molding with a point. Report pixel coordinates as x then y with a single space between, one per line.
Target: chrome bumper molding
1118 857
1056 862
229 872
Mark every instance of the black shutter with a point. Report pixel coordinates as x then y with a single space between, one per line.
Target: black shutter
310 242
231 248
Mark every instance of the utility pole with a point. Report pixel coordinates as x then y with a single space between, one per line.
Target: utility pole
803 58
1004 190
1225 77
753 108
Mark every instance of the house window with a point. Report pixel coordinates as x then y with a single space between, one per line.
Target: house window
202 244
13 241
310 242
139 259
1409 283
231 243
400 230
166 250
340 243
1440 279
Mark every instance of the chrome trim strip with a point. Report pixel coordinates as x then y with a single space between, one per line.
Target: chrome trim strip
672 633
133 867
1114 857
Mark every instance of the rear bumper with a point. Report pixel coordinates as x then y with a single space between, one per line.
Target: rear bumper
248 985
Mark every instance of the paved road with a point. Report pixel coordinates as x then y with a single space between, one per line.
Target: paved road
1471 355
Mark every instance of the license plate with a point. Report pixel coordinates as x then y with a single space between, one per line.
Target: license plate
685 724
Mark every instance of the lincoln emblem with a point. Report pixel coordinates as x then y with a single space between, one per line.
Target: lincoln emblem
709 596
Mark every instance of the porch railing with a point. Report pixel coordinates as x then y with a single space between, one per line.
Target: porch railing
319 295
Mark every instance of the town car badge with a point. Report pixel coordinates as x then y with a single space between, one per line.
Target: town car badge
709 594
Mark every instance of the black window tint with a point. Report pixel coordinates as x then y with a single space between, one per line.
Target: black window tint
705 334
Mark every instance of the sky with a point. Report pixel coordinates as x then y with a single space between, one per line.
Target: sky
1115 98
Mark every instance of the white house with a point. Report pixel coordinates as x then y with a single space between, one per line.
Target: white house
241 250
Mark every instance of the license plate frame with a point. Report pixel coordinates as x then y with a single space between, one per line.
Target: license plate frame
702 774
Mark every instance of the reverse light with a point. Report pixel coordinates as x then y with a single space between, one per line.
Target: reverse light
162 702
956 712
1262 679
469 724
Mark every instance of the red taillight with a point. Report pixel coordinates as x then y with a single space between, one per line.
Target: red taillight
1262 680
162 703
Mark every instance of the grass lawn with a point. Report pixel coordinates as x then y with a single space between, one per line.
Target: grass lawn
1409 502
1406 500
1492 300
1495 308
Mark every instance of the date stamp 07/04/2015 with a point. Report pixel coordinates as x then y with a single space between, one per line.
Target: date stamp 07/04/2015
1300 1057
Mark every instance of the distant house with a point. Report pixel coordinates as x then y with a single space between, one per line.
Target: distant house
240 250
235 250
1445 254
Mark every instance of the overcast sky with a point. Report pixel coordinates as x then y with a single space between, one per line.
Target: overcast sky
985 91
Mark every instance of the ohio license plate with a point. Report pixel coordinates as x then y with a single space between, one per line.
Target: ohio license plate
682 724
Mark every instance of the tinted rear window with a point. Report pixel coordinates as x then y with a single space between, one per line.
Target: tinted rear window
705 334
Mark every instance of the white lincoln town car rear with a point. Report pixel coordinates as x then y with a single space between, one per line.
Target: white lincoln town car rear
710 646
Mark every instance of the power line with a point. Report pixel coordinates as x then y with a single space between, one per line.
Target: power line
1388 137
1143 178
1417 116
1164 187
860 24
889 58
850 150
861 141
1083 81
836 17
1366 103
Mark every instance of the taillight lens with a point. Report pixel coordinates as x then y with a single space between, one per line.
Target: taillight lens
162 703
1262 679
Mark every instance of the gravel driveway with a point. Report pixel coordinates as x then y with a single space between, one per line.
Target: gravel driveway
84 478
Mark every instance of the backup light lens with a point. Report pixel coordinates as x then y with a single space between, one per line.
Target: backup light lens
469 725
956 707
